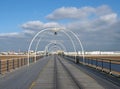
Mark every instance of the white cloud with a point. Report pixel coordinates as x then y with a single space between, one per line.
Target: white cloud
69 12
28 32
38 25
29 29
51 24
79 13
109 17
96 24
103 10
97 27
87 18
32 25
14 34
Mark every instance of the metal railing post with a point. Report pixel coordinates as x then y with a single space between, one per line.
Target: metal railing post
13 64
110 66
102 64
18 63
88 61
96 63
7 65
0 67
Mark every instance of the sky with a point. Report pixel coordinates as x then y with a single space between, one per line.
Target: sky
96 23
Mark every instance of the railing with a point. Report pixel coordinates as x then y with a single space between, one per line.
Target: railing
111 66
8 65
107 65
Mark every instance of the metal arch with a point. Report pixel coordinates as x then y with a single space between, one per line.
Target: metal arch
43 30
71 41
65 48
54 47
32 42
67 36
80 43
46 47
37 47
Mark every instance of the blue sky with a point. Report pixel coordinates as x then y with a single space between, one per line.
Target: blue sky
20 18
16 12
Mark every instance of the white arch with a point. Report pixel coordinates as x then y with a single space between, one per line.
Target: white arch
46 47
43 30
66 35
55 47
46 29
80 43
37 48
32 42
71 41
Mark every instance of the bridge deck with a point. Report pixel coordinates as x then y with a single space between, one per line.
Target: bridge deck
53 72
55 76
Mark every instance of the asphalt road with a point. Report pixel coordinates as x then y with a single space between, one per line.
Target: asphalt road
23 77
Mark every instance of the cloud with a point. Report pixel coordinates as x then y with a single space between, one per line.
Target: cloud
28 32
97 27
103 10
68 13
51 24
14 34
96 24
32 25
38 25
29 29
78 13
109 17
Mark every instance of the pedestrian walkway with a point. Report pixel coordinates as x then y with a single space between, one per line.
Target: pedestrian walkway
60 74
